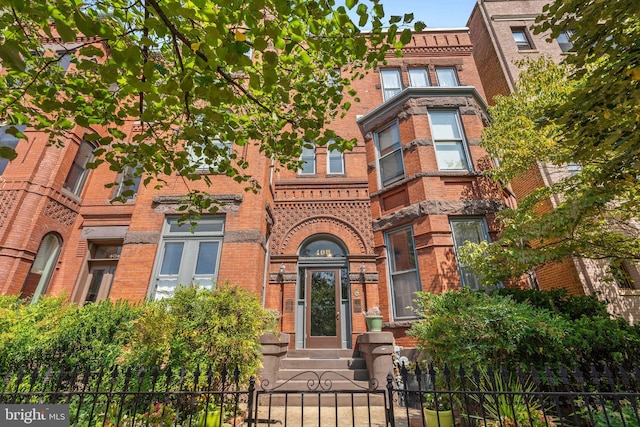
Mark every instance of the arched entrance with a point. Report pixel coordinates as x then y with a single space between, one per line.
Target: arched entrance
323 315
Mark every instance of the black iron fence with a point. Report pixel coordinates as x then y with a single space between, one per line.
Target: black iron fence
412 397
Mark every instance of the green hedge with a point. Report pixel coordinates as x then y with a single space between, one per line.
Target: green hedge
522 327
195 327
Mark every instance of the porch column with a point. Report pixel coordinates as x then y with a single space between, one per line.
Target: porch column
377 350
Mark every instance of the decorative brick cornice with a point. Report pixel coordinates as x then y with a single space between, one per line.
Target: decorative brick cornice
344 217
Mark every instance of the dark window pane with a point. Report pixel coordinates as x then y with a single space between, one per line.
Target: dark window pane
207 257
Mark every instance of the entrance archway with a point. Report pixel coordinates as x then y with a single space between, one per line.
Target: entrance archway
323 315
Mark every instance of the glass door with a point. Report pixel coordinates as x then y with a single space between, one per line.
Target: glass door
323 297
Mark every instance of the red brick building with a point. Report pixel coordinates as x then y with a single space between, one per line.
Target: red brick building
501 33
346 233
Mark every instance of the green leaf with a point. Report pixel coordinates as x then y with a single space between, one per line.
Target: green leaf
7 152
351 3
405 36
65 31
11 56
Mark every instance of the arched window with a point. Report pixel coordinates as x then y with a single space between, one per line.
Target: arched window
41 270
323 248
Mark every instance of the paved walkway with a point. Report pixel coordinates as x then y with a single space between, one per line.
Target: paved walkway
293 416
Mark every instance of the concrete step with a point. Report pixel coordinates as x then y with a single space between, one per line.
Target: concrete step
322 353
313 364
323 375
325 399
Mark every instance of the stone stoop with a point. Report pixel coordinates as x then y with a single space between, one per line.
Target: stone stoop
317 376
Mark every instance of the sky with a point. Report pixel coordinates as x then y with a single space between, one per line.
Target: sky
434 13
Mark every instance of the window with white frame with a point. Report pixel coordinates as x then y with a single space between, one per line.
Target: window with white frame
188 256
389 154
403 271
447 76
128 184
9 141
308 158
564 41
391 82
464 230
418 77
448 140
207 157
335 161
78 173
521 37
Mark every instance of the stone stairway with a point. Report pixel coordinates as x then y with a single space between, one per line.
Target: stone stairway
317 376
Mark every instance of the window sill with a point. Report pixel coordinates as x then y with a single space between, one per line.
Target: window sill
528 51
69 194
406 323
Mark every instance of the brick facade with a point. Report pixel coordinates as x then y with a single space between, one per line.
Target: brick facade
267 236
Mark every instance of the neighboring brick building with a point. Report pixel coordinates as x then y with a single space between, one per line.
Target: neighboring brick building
501 35
345 233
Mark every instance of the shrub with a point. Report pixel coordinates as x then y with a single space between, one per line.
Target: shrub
56 333
523 327
200 327
466 327
559 301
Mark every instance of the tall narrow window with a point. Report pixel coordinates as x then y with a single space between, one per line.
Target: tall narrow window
447 76
128 183
78 173
389 151
520 36
37 281
401 259
335 161
308 158
464 230
418 77
102 268
391 82
188 257
9 141
564 41
448 140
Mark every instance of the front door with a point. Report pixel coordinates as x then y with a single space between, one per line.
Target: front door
323 324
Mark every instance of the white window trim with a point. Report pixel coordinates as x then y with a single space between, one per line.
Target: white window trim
192 238
520 46
455 75
390 274
487 236
79 184
426 73
339 153
378 157
384 89
313 162
462 140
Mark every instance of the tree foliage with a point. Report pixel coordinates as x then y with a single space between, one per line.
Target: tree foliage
585 112
191 72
